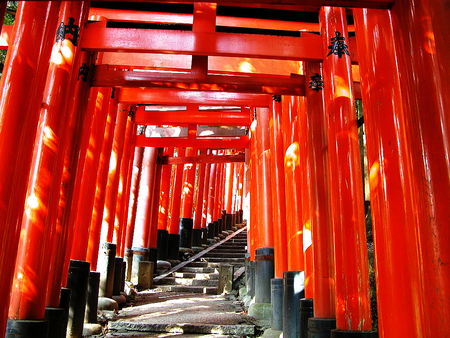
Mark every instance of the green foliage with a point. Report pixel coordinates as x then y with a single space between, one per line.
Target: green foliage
10 16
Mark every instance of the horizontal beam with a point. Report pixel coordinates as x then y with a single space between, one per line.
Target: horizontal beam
302 4
123 15
306 48
222 143
294 85
177 97
192 116
204 159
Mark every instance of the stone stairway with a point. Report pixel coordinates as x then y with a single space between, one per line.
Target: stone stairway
185 301
200 274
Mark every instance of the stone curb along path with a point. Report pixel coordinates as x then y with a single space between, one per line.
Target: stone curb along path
186 300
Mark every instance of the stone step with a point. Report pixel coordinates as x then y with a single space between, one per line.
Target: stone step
209 290
224 260
196 275
230 249
241 330
211 264
198 270
189 282
224 254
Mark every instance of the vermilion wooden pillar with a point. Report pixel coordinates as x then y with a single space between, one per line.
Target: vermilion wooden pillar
240 188
175 201
32 40
351 262
74 159
229 178
204 223
211 193
112 186
265 220
198 218
92 143
278 199
187 193
165 192
126 174
252 233
303 133
420 31
321 228
147 184
95 233
29 291
399 293
134 193
217 211
292 177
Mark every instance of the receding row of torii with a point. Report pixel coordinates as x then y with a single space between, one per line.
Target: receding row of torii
304 170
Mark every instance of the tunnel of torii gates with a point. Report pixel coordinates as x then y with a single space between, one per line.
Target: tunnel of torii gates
263 128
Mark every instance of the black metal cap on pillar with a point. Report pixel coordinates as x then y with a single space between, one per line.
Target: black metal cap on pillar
293 291
186 225
211 230
90 315
276 289
161 244
23 328
107 259
153 257
321 327
173 242
77 281
306 312
197 237
264 273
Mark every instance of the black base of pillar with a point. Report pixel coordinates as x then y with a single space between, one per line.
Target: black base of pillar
204 235
56 322
139 255
221 225
186 225
197 237
211 230
117 275
64 303
229 220
77 281
90 315
320 327
23 328
293 291
216 228
107 259
306 312
264 273
161 244
250 276
354 334
129 263
276 289
173 244
153 257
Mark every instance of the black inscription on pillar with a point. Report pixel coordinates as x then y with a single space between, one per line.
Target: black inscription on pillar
338 46
276 98
316 82
71 29
83 72
113 91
